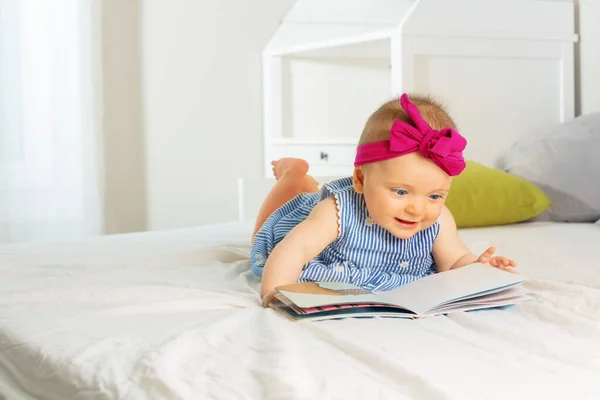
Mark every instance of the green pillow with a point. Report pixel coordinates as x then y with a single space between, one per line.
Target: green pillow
483 196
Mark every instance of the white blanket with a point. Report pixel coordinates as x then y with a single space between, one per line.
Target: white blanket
161 316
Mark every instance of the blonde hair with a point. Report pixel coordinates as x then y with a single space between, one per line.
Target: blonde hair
379 124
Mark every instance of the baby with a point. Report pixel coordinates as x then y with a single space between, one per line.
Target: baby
383 227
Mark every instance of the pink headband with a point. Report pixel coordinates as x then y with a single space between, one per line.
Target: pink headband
443 147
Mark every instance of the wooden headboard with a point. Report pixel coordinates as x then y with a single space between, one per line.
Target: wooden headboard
525 65
503 68
587 56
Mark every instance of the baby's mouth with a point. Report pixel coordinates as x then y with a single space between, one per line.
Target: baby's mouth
405 222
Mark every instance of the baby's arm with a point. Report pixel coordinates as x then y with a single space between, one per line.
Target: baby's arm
300 245
450 252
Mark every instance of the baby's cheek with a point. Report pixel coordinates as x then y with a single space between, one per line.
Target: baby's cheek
434 213
377 219
379 213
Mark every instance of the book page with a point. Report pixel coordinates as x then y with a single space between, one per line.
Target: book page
512 296
351 312
318 294
427 293
501 303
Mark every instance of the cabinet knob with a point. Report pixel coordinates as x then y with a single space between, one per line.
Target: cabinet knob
324 156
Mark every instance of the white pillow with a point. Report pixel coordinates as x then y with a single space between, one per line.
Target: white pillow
565 163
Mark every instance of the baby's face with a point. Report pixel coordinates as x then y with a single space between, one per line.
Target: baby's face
404 195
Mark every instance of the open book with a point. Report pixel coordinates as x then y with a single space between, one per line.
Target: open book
472 287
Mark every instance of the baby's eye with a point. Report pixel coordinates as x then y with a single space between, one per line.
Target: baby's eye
401 192
435 196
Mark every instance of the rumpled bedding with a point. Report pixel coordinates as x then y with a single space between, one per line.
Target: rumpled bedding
175 315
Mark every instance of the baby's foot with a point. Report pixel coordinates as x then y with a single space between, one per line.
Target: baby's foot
310 185
295 166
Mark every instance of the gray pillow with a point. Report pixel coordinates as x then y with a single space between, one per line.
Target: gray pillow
564 162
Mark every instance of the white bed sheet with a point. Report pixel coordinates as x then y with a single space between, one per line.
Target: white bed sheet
162 316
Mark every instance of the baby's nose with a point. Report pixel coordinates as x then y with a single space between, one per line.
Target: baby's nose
415 208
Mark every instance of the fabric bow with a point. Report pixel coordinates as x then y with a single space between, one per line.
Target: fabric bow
443 147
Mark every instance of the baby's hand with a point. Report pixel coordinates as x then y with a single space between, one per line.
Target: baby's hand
269 297
502 263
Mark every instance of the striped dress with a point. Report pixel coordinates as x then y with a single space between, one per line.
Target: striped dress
364 254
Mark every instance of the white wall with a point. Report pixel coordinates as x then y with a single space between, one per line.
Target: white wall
124 163
201 88
589 17
182 86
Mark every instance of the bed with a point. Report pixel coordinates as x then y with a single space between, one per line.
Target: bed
175 315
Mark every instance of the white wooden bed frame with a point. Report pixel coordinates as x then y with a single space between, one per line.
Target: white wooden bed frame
553 52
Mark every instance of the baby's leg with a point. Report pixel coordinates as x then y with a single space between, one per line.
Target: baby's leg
292 180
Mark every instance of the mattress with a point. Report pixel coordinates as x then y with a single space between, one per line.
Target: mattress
175 315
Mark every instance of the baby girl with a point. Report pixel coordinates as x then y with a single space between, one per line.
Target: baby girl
383 227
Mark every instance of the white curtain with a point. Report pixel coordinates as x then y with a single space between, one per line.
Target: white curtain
49 120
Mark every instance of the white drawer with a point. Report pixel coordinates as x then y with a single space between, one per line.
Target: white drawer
318 156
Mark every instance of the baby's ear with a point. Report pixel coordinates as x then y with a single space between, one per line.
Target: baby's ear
358 179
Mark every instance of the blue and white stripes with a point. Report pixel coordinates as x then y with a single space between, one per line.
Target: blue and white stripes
364 254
